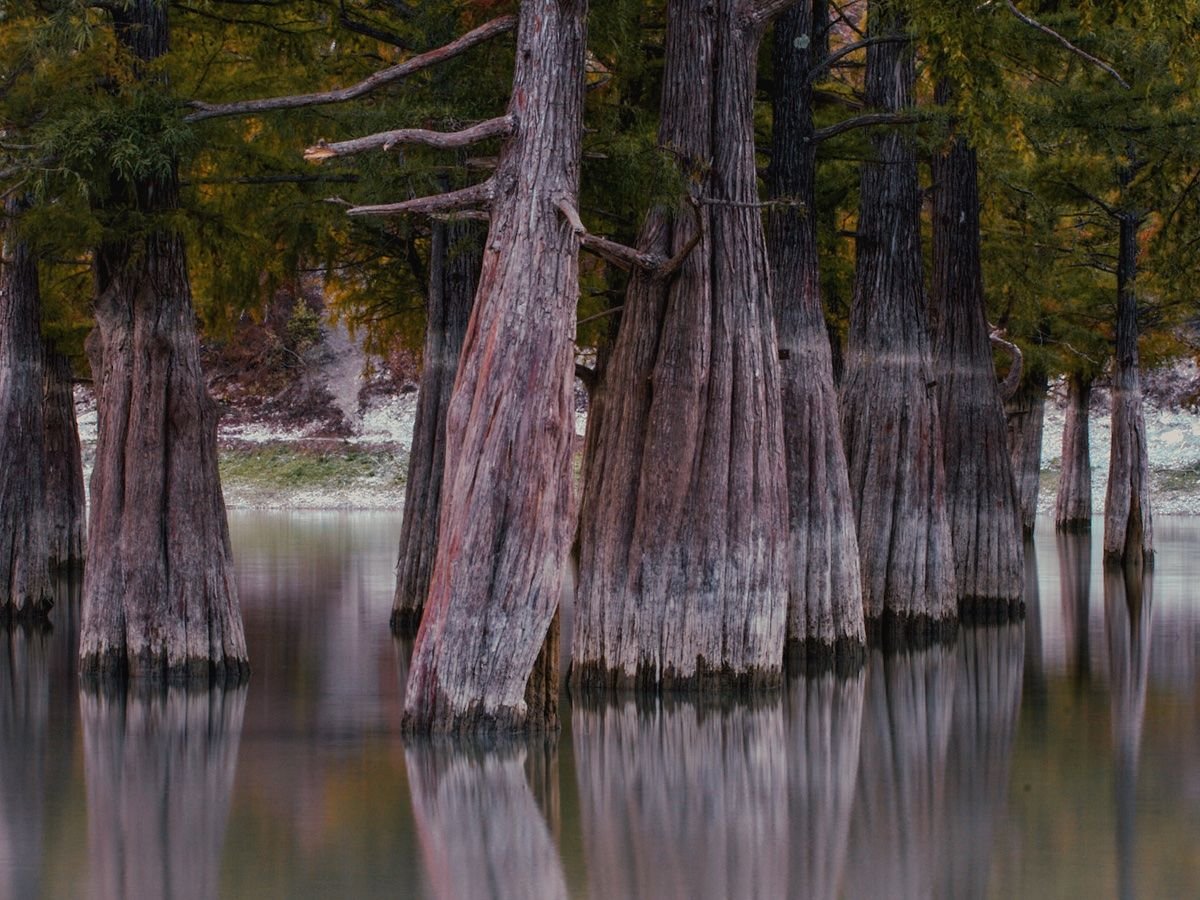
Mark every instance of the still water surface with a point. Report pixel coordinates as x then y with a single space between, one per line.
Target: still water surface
1056 758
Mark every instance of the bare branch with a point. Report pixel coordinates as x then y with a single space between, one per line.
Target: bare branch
501 126
1082 54
842 52
1008 387
866 121
620 255
379 79
466 198
611 311
676 262
759 12
571 214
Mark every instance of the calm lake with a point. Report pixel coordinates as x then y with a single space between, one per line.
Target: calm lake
1055 758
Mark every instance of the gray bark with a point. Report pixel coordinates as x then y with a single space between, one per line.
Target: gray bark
1026 412
66 503
455 256
825 610
504 528
683 528
890 418
1073 505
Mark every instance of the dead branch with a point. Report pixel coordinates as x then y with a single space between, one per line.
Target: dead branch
842 52
466 198
866 121
502 126
620 255
1082 54
379 79
1012 381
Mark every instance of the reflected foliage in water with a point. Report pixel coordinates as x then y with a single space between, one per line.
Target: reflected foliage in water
1059 756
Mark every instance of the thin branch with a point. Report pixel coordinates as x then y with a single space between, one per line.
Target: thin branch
379 79
842 52
620 255
466 198
501 126
866 121
366 29
611 311
1082 54
675 263
1008 387
1088 195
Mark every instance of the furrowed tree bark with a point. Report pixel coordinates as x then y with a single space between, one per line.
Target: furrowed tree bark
66 503
683 526
455 258
1026 413
1128 527
504 529
1073 505
825 612
26 588
159 598
890 418
981 495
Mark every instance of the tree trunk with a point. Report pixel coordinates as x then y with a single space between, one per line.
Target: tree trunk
504 529
1075 577
66 503
1128 527
1073 506
683 529
453 277
1026 422
26 588
889 406
981 496
160 767
159 597
825 613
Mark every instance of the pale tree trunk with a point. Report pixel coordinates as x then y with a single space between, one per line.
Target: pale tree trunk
504 530
454 260
26 588
65 500
987 701
1128 528
824 729
482 834
160 768
682 800
1128 608
889 404
825 613
1026 412
159 597
1073 505
683 528
894 826
981 496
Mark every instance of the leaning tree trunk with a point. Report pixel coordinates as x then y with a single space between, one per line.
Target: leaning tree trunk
683 528
65 500
889 407
825 614
1073 506
504 529
981 496
1026 411
1128 528
26 590
453 276
159 597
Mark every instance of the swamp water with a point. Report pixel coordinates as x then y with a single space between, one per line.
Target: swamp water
1059 757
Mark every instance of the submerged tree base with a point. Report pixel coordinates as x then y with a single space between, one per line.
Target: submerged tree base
112 666
812 656
990 610
596 677
1074 526
895 631
406 620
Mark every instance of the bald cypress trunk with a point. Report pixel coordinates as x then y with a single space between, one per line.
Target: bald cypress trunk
504 529
890 415
1128 527
683 529
825 614
159 599
26 589
1073 506
66 503
1026 412
981 495
453 277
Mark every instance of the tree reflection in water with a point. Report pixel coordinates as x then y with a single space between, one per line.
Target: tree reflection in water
481 831
1127 619
159 764
680 800
1075 572
824 724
